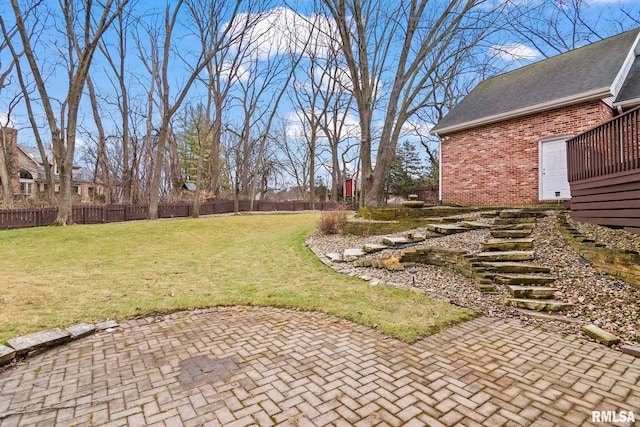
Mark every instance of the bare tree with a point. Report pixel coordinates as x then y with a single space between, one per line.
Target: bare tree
168 104
83 24
391 49
6 170
556 27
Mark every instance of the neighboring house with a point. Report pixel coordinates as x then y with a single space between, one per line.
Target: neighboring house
504 144
28 176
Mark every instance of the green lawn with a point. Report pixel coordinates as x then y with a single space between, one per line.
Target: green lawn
59 276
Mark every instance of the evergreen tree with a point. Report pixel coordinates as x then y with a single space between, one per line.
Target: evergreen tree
407 171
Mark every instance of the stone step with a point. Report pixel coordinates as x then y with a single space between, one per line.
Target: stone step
374 247
534 292
520 214
515 267
497 256
486 288
447 228
523 226
352 253
511 221
523 279
395 241
475 225
538 305
549 316
513 234
508 245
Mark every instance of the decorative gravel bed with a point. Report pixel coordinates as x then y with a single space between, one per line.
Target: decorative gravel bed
600 299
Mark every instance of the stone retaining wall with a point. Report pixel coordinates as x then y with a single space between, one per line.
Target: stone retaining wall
621 264
457 260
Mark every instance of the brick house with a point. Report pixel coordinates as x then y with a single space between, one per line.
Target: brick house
27 172
504 144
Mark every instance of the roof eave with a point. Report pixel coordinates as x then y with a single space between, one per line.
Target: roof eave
627 103
556 103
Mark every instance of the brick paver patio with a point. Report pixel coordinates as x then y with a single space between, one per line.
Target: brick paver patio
262 366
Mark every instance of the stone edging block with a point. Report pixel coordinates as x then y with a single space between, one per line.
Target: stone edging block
7 354
600 335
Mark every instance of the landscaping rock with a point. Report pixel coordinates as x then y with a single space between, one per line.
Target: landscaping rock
600 335
374 247
351 254
107 324
523 279
511 221
7 354
475 225
535 292
506 256
508 244
395 241
38 341
81 330
538 305
334 257
515 267
633 350
512 234
447 229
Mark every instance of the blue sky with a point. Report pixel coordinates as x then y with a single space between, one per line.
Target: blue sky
507 50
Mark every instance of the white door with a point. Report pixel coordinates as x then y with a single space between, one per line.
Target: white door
554 183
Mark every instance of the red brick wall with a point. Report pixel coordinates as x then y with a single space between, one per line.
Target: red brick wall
497 164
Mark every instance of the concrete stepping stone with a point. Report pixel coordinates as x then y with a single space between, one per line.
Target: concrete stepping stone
395 241
515 267
374 247
508 244
523 279
39 340
334 257
447 228
600 335
81 330
535 292
107 324
511 234
352 253
7 354
538 305
505 256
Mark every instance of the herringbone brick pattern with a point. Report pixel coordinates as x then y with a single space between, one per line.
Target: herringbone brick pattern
262 366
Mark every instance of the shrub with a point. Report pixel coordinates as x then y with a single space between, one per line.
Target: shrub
331 222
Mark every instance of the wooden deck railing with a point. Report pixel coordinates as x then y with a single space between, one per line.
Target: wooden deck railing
610 148
604 173
85 214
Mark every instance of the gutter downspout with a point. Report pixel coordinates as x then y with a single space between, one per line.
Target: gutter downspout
439 167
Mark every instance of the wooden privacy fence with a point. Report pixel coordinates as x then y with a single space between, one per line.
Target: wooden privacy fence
603 166
85 214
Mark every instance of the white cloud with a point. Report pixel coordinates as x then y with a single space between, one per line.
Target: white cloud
514 52
6 122
230 71
281 30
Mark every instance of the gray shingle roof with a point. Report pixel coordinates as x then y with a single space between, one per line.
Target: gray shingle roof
630 91
586 71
